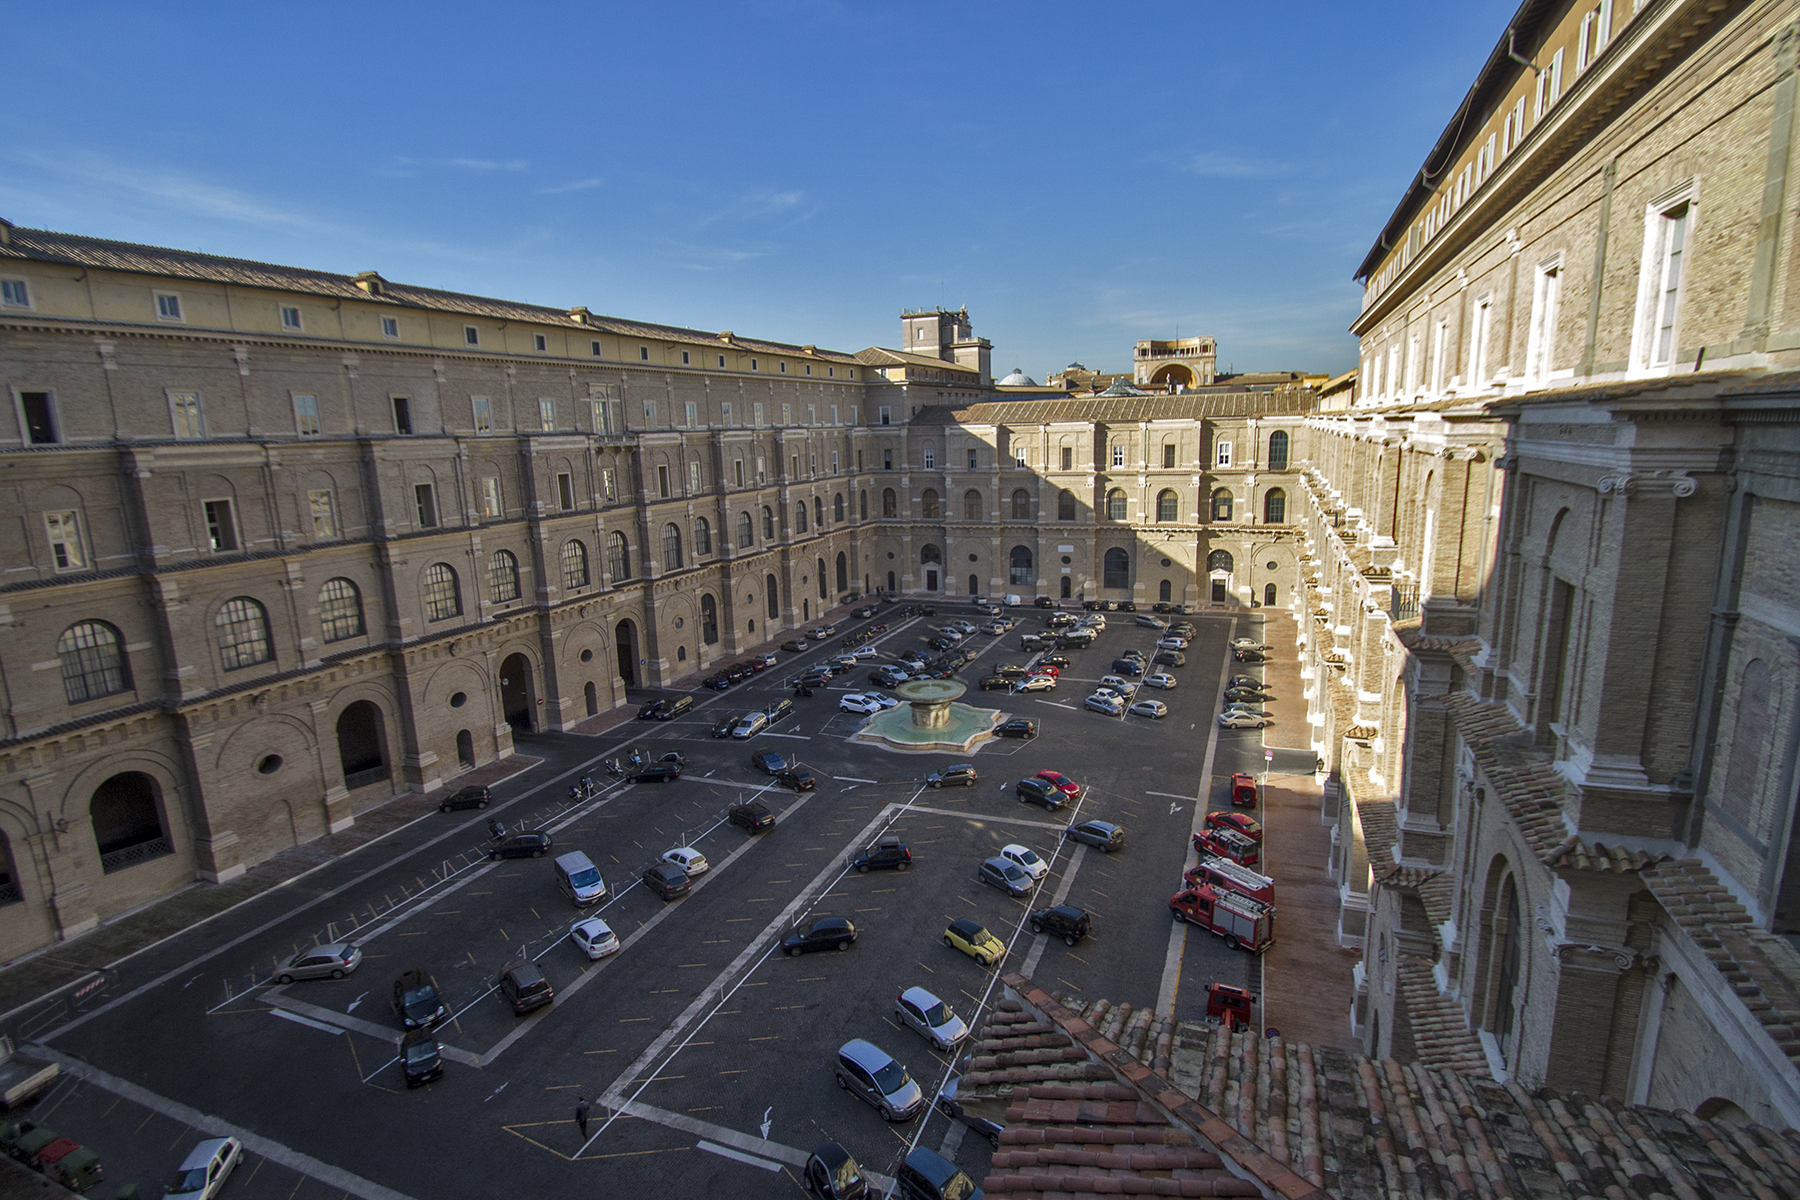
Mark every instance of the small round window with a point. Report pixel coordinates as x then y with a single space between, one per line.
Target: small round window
459 699
679 622
974 558
587 656
1066 560
1273 565
270 764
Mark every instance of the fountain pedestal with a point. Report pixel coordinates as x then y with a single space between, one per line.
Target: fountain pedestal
932 721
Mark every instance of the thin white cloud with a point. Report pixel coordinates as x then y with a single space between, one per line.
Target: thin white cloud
1230 166
579 185
168 186
758 206
487 164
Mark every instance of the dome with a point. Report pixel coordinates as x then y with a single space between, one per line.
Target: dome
1018 378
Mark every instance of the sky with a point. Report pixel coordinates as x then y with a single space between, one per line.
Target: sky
1079 175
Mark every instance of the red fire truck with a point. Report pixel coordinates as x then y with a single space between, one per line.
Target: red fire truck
1227 876
1228 843
1243 790
1245 924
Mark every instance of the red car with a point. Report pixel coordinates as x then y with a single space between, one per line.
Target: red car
1061 783
1243 790
1040 669
1244 823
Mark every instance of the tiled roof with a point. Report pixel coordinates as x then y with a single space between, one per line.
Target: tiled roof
1575 854
1527 783
1433 1023
1240 1113
41 245
876 356
1410 878
1121 409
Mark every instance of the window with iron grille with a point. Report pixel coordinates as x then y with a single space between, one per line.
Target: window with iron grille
671 545
503 577
574 564
340 610
618 557
443 593
243 631
1116 505
92 659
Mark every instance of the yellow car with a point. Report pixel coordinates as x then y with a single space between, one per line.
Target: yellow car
974 941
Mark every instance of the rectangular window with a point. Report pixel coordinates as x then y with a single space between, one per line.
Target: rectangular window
390 327
425 502
886 415
859 461
402 414
887 460
685 360
1655 335
221 530
1118 454
809 368
1224 455
1540 343
834 462
65 541
783 367
762 470
1478 340
643 354
930 459
662 480
690 411
1440 342
737 471
834 414
594 348
324 515
793 466
786 416
812 414
565 491
650 414
1581 44
540 343
756 415
1673 241
37 417
168 306
974 460
853 414
1603 26
602 416
609 481
184 411
290 318
721 360
1168 455
753 364
693 475
490 498
306 416
547 415
1068 458
471 336
14 293
483 410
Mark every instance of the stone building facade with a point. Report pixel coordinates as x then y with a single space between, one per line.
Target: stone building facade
1552 639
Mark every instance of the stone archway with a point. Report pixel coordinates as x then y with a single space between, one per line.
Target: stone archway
362 745
625 649
1171 376
517 693
465 749
126 815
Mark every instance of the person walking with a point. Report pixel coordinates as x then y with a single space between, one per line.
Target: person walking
581 1115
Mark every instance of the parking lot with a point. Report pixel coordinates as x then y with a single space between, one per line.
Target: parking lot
707 1054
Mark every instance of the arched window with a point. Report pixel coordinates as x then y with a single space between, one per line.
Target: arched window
1269 596
1221 505
1019 563
1274 507
799 516
768 524
1021 505
574 564
1116 569
837 507
818 512
890 503
126 815
824 589
1219 560
928 503
443 594
1165 590
843 572
1167 505
709 619
1065 505
340 610
862 504
243 630
93 662
971 505
931 554
772 592
618 557
503 577
671 547
1116 506
746 531
1278 446
702 536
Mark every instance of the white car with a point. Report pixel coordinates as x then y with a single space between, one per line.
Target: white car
1108 703
1149 708
863 653
882 698
1036 683
595 937
1172 643
1248 644
1161 679
1091 621
1123 687
1149 622
1240 720
750 724
1027 858
688 859
856 702
933 1019
1247 709
203 1172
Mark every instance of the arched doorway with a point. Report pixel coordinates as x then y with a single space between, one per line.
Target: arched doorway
592 697
625 648
1219 565
362 745
1021 569
890 587
974 585
1165 590
1269 596
465 747
1067 587
929 558
843 572
126 813
517 692
1508 969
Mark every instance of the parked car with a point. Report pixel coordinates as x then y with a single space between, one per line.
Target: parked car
667 880
650 709
769 761
831 1174
1169 658
421 1061
888 676
520 845
204 1171
767 657
1148 622
1161 680
476 796
1245 681
1153 709
1026 858
688 859
1044 602
826 933
717 683
1251 709
660 771
749 725
865 612
799 778
1059 661
996 683
1009 877
1043 668
594 937
975 941
1038 791
1240 720
955 1110
960 775
1036 683
871 1075
1128 666
930 1018
888 854
1248 644
856 703
793 647
725 723
1063 921
751 816
1103 836
1244 823
525 988
1019 728
331 961
1249 656
1121 687
680 706
1105 702
416 1000
1172 643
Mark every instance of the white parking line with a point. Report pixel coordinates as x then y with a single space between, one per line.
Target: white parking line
799 737
970 816
738 1156
297 1019
853 779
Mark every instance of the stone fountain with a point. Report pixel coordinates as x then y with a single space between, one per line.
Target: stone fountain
931 721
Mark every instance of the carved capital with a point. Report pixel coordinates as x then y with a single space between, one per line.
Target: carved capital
1649 484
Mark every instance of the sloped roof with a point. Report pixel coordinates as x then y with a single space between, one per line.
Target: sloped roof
877 356
41 245
1123 387
1118 410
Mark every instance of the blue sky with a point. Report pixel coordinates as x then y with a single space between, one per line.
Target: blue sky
1079 175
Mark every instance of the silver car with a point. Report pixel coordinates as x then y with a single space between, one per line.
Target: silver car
874 1077
204 1171
333 961
1006 875
931 1018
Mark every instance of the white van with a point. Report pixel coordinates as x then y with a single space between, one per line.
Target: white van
579 879
1011 600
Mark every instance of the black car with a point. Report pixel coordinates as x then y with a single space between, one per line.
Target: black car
718 683
1104 836
928 1175
1075 639
752 816
793 647
1162 606
831 1174
960 775
1127 606
525 988
661 771
679 706
1063 921
1170 658
520 845
768 761
866 611
940 643
417 1002
826 933
996 683
1044 602
887 676
651 709
1128 666
667 880
1020 728
780 709
420 1059
469 797
1040 791
1249 656
1059 661
888 854
800 778
952 1108
723 728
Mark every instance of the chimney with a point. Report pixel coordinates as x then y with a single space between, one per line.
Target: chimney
370 282
579 314
726 336
809 349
